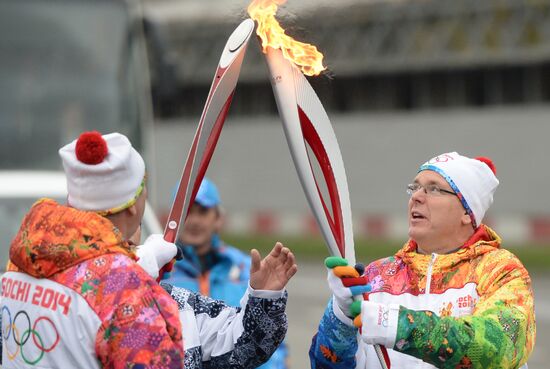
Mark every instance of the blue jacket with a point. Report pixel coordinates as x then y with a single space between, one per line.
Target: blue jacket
225 278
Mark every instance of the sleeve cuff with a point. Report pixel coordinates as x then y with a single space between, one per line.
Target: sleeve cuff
379 323
265 294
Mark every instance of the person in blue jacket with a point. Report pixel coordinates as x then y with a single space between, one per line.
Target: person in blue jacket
210 266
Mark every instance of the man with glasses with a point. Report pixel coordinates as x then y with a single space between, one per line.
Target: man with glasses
450 298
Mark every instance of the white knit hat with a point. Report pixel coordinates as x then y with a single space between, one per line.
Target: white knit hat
473 180
104 173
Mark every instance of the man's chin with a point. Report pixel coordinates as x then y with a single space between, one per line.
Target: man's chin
416 233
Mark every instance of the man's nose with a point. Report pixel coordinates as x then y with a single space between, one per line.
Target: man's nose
191 218
419 195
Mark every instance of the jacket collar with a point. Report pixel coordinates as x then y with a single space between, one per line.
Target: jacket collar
191 261
482 241
54 237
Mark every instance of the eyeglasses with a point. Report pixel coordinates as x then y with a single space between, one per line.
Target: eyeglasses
429 189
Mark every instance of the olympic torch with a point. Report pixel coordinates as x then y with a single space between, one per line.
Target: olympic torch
209 129
306 124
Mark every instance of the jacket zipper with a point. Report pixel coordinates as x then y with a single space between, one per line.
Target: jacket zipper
429 276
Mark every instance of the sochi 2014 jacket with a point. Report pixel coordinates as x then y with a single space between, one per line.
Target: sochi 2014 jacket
469 309
73 297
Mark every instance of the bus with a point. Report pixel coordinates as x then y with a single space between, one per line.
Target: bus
66 67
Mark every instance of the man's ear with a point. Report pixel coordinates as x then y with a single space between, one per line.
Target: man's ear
132 210
466 219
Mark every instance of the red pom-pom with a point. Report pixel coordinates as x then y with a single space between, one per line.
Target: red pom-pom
489 163
91 148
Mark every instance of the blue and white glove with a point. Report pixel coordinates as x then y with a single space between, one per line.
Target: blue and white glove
345 282
155 253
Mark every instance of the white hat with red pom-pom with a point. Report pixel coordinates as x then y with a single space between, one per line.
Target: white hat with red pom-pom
105 173
473 180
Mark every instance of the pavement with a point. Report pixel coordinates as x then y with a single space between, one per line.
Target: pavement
309 293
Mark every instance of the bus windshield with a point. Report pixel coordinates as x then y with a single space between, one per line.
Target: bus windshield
66 66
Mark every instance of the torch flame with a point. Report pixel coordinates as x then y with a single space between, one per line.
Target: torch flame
304 56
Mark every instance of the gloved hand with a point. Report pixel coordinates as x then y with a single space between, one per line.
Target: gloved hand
355 310
155 253
345 282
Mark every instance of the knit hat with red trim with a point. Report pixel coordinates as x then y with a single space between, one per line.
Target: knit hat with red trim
103 172
473 180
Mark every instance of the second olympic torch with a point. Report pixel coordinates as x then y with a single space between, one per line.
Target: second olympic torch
307 125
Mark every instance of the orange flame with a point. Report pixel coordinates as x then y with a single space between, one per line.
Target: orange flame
304 56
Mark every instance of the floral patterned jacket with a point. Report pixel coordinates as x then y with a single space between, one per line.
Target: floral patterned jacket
469 309
73 297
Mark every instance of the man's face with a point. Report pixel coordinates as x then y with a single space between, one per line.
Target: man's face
201 224
434 220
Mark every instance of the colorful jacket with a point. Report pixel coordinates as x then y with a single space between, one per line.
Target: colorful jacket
469 309
226 279
73 297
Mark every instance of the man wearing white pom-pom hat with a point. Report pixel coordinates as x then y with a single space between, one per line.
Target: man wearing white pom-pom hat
77 294
450 298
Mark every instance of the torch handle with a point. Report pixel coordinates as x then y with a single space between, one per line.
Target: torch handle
383 357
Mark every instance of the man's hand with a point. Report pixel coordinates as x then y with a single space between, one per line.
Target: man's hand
355 311
274 271
155 253
345 282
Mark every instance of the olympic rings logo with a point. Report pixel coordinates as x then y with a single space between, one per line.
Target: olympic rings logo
385 319
441 159
21 337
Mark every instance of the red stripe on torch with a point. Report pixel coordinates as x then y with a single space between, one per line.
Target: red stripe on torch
335 220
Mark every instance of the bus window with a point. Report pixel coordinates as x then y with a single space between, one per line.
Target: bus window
66 67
